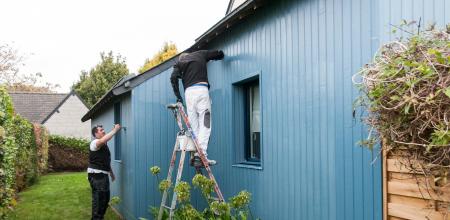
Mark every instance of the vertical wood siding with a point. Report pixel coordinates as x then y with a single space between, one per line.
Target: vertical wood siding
306 53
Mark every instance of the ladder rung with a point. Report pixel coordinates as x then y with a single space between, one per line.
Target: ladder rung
167 207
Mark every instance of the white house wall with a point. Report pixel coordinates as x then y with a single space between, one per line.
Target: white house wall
66 120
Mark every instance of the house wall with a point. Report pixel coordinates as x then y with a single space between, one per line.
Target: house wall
123 167
305 53
66 121
426 11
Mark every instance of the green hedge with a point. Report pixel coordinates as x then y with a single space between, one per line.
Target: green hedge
68 154
69 142
8 151
19 155
26 157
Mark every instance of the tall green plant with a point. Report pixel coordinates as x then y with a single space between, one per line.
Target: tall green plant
26 157
18 154
8 151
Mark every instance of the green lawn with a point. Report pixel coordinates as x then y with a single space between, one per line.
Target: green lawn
57 196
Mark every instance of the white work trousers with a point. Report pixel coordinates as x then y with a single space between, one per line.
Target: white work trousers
198 106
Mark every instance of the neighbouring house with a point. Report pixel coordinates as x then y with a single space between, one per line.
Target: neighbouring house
59 113
282 118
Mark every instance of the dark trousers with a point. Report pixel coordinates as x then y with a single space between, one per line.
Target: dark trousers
100 194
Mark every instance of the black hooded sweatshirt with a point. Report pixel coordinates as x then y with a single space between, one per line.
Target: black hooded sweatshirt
191 68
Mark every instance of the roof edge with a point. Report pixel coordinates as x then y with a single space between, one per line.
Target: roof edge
57 107
127 85
106 97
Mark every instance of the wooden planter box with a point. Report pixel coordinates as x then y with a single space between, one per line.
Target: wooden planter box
409 196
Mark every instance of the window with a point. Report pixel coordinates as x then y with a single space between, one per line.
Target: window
247 122
253 123
117 137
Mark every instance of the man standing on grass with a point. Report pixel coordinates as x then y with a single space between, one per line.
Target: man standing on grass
99 168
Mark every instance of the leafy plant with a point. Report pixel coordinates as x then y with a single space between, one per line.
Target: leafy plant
69 142
236 209
114 201
8 152
405 90
19 158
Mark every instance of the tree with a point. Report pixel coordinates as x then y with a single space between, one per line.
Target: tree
99 80
10 61
167 51
9 64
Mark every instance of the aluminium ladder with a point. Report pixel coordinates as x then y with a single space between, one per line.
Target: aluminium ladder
186 141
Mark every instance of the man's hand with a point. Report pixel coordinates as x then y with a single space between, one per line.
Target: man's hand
117 127
113 177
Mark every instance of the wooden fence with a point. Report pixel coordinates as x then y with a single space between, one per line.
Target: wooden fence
409 195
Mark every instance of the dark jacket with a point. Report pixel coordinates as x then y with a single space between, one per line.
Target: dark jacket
191 68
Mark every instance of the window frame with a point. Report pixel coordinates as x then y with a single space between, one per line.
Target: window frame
240 113
248 122
118 137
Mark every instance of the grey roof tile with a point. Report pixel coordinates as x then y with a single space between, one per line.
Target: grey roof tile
35 106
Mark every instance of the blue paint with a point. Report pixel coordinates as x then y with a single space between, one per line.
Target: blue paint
304 53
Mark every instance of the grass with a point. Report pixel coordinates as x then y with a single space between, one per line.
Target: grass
57 196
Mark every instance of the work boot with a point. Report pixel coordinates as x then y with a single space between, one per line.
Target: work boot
211 162
196 160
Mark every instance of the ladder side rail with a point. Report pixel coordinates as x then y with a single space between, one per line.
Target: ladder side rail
169 178
200 152
179 173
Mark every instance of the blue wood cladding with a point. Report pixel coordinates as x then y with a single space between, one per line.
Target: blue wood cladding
304 53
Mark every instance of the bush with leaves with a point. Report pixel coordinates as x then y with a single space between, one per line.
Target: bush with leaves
406 90
26 156
67 154
8 151
69 142
236 209
19 166
42 147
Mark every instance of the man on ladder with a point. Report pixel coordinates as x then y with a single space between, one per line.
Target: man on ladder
191 68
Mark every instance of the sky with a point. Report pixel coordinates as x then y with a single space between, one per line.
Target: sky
61 38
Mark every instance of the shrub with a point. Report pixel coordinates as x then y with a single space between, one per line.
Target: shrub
8 150
69 142
42 147
67 153
19 156
26 157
